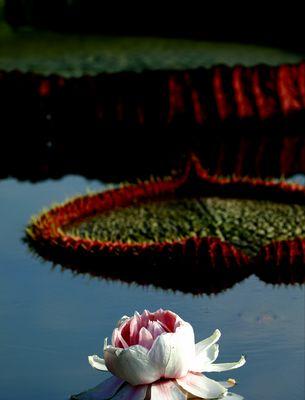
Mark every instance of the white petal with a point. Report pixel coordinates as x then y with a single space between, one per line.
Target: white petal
132 365
122 320
103 391
206 357
97 363
201 386
131 393
225 366
233 396
166 390
174 352
228 384
206 343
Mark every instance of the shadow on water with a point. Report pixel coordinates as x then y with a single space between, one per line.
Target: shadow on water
189 275
166 274
266 149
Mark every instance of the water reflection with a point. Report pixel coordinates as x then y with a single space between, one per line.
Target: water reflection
281 275
128 392
223 150
186 276
166 274
227 152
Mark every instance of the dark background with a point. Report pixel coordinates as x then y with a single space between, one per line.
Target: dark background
255 22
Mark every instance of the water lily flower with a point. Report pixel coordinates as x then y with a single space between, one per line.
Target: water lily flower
154 356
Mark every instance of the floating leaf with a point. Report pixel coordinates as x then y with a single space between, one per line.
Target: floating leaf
248 224
210 224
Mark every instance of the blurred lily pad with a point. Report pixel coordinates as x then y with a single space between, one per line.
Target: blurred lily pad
73 55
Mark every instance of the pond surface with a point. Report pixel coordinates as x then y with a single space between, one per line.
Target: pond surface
51 319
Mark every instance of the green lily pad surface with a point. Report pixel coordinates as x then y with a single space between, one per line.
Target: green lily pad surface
247 224
75 55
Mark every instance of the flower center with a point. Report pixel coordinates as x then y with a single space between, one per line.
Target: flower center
144 329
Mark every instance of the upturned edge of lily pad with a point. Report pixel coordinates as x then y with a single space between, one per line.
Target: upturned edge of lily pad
207 253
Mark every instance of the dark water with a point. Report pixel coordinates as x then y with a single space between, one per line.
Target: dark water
51 320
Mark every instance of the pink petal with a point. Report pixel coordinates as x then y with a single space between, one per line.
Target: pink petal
134 328
115 338
121 341
124 329
166 390
162 324
167 318
145 317
150 327
155 329
145 338
103 391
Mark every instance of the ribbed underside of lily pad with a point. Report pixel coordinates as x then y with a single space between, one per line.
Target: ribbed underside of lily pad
247 224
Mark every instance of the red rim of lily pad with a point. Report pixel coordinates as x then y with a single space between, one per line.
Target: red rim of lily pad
207 253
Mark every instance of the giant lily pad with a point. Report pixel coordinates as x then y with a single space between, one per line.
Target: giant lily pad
246 223
213 225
